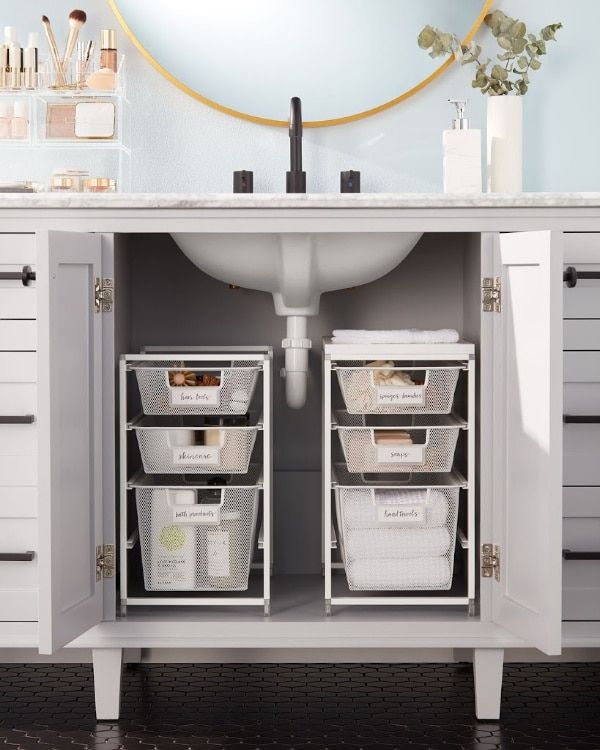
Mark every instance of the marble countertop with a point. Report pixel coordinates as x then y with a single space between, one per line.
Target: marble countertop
310 201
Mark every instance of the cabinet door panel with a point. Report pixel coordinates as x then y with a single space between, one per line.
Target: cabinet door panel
527 450
69 436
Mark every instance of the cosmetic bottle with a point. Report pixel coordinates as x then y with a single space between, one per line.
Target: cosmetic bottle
5 120
31 61
4 66
19 124
462 154
108 49
15 58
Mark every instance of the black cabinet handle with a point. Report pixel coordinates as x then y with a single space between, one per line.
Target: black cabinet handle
571 276
568 555
581 419
16 556
24 419
25 276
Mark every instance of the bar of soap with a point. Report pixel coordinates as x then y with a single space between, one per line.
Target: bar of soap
213 437
390 437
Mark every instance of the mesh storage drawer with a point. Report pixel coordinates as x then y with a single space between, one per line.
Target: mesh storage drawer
197 540
194 450
398 539
368 449
371 390
232 395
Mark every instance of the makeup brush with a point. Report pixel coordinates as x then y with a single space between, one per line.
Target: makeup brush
60 76
76 20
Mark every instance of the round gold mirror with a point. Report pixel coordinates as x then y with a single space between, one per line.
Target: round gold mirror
346 59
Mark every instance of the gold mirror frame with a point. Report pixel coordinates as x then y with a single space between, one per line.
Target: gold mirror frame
283 123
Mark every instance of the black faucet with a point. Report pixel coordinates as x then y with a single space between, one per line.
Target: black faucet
295 178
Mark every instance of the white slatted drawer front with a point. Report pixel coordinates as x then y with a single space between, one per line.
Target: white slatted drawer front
581 590
582 534
583 300
18 580
18 502
582 335
18 471
18 367
17 301
581 454
18 399
18 335
17 249
581 383
581 502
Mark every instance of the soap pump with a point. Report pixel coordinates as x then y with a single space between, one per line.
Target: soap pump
462 154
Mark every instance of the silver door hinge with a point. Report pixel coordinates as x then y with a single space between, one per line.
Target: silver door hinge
104 295
490 561
105 561
491 294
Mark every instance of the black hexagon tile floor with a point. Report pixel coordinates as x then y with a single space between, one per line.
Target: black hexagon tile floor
300 707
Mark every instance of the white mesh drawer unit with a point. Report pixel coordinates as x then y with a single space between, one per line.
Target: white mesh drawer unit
188 387
384 388
192 445
411 444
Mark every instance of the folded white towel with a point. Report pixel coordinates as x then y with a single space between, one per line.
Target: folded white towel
397 544
360 512
405 336
397 575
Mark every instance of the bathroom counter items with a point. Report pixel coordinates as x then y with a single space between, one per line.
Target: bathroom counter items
402 515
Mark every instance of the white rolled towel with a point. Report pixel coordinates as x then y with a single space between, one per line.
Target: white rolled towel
360 512
397 575
402 336
397 544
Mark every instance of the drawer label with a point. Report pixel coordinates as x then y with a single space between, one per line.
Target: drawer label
397 395
190 396
400 454
401 515
200 515
197 455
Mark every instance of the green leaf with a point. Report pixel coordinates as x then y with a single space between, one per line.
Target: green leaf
518 45
548 32
518 29
505 42
522 62
536 64
507 56
499 73
531 50
541 46
427 37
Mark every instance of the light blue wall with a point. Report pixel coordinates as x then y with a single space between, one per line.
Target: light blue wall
182 145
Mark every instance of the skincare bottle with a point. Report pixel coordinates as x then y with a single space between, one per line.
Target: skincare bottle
462 154
30 61
19 125
15 58
5 120
4 70
108 49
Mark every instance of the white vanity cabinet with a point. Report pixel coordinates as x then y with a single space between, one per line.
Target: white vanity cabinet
58 474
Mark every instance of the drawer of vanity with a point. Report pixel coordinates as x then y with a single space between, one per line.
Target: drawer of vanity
583 299
17 300
581 502
18 502
581 452
18 367
18 569
17 249
581 390
581 335
18 426
18 335
581 590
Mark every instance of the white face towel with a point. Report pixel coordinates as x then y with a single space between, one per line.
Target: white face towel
395 544
399 575
404 336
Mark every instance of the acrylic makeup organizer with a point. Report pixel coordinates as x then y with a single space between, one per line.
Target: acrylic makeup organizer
399 517
35 157
220 538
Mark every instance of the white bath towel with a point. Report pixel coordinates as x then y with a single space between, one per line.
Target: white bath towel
360 512
397 544
405 336
397 575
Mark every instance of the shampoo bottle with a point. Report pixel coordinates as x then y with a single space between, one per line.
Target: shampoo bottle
462 154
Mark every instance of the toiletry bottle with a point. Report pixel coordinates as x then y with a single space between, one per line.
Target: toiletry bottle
15 58
5 120
4 66
19 124
31 61
173 545
462 154
108 49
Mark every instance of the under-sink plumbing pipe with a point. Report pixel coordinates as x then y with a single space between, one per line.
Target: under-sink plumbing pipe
296 346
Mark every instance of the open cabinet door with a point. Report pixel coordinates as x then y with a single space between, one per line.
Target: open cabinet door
70 436
527 442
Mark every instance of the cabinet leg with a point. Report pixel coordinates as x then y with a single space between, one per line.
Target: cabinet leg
107 682
487 672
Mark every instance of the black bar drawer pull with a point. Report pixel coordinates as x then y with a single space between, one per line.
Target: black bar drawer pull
25 276
16 556
568 555
571 275
581 419
24 419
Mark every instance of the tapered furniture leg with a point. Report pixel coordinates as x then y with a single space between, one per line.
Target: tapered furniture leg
107 682
487 672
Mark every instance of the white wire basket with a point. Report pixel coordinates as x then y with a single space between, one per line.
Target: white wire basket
367 451
367 390
398 539
233 394
197 540
190 449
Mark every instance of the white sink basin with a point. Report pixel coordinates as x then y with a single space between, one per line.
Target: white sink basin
296 269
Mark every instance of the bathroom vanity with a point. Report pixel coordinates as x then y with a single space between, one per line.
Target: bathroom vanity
110 281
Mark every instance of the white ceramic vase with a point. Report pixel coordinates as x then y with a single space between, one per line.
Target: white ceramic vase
505 144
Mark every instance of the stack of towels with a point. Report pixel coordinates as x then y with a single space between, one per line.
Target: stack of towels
386 557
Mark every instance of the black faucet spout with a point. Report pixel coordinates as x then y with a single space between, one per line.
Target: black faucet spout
295 178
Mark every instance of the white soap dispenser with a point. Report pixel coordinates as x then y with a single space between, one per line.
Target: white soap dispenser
462 154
